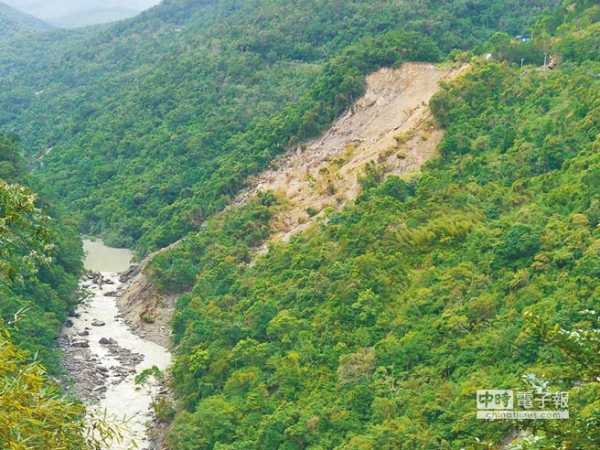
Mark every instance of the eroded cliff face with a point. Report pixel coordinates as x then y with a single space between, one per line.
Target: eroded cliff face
146 312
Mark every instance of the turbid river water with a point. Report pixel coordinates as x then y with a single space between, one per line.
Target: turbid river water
113 366
101 258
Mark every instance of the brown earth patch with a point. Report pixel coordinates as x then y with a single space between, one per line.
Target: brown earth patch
390 125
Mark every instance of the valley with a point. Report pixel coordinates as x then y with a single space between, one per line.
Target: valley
79 13
352 222
104 356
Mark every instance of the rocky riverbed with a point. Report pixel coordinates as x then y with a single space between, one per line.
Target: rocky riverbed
103 357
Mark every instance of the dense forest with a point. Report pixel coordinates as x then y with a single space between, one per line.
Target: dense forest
40 262
373 328
147 127
41 258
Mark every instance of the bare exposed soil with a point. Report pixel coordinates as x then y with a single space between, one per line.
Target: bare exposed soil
145 311
390 125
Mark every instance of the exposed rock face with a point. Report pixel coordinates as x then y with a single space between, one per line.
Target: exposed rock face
130 273
140 302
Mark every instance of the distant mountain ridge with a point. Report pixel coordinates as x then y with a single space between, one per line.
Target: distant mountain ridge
80 13
15 23
97 16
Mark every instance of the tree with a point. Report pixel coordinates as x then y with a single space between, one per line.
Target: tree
582 347
24 240
34 414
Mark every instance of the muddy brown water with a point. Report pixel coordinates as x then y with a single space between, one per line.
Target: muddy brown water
100 258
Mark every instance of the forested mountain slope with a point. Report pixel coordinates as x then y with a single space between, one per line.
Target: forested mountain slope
16 23
375 328
147 127
40 258
40 262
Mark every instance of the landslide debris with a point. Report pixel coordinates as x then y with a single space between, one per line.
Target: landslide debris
390 125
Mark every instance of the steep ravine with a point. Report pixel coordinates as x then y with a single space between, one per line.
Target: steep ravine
104 355
391 125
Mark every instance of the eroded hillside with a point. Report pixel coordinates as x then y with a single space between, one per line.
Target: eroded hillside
390 125
377 326
201 95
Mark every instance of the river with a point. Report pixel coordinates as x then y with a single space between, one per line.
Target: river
100 258
104 373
